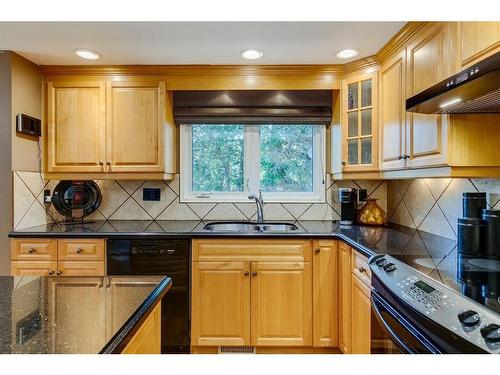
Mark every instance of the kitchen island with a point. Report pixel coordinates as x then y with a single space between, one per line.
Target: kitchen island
77 315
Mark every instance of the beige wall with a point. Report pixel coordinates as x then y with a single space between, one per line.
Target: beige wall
27 99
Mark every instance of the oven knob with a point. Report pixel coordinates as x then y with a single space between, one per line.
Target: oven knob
389 267
469 318
491 332
380 262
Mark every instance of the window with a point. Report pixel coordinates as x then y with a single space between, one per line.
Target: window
229 162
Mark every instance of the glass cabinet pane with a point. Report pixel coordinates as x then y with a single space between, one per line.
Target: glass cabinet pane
366 93
352 152
352 95
366 122
352 122
366 150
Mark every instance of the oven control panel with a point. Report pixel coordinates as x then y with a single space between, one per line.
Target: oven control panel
450 309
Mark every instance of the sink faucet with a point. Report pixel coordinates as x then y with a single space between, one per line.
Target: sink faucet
260 206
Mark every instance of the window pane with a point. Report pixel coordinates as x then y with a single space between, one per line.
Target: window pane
286 158
352 124
352 95
352 152
366 93
366 122
366 151
218 158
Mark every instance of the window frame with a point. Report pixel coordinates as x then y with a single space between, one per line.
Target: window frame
252 171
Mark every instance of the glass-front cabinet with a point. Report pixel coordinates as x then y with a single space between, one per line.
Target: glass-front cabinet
359 123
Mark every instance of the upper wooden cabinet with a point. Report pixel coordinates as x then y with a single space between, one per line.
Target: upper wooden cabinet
359 122
135 121
476 41
76 126
100 128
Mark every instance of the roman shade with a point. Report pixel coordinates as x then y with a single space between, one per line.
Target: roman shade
253 107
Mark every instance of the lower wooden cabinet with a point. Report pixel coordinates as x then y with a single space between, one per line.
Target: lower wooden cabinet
361 316
345 298
147 340
220 304
57 257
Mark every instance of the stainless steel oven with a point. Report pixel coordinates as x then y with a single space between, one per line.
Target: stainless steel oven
412 313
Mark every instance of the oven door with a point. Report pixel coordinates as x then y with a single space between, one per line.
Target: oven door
392 333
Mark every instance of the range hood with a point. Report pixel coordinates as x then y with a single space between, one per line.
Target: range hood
473 90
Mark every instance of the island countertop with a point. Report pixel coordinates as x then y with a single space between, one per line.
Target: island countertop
74 315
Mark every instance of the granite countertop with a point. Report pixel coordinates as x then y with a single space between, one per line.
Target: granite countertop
74 315
433 255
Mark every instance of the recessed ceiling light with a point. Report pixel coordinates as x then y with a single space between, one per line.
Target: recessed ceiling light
347 53
87 54
251 54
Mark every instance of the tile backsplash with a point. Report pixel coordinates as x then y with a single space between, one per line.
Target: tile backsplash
122 200
434 204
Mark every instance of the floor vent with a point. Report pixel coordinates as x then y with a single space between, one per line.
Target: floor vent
236 350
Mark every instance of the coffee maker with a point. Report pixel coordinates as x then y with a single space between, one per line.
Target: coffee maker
350 200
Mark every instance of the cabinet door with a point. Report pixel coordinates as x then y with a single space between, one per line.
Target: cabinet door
72 301
345 298
76 126
477 40
325 294
360 315
220 304
426 135
135 117
359 122
80 268
147 339
281 304
33 267
393 113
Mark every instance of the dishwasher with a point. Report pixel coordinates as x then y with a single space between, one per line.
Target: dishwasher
162 257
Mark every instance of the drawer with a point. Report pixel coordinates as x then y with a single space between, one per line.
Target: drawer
80 268
35 268
252 250
33 249
360 267
80 249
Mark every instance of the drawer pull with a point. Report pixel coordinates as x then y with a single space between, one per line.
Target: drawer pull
316 251
51 272
79 250
254 273
362 269
59 272
246 273
31 250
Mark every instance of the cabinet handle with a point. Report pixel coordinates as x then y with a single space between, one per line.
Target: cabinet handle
108 163
79 251
254 273
59 272
246 273
362 269
343 162
317 250
51 272
406 157
400 157
31 250
100 163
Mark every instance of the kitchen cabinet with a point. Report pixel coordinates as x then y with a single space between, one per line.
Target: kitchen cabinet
220 304
252 293
57 257
359 115
476 41
108 128
325 293
147 340
360 316
281 304
345 319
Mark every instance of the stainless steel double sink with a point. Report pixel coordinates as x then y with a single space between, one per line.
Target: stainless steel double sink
250 227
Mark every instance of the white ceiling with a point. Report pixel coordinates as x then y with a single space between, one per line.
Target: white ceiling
193 42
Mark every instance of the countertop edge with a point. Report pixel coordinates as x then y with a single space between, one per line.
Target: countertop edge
123 336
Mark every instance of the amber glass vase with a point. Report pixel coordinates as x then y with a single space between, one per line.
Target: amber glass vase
372 214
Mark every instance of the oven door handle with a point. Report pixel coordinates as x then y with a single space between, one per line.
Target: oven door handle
378 305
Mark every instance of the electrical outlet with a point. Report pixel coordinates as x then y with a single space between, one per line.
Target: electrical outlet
151 194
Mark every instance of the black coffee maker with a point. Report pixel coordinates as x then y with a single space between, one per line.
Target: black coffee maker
350 200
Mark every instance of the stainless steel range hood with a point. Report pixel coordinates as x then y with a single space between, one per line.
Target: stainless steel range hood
474 90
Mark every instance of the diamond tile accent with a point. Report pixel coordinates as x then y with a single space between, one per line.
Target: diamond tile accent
130 210
130 186
113 196
154 208
419 200
177 211
225 211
